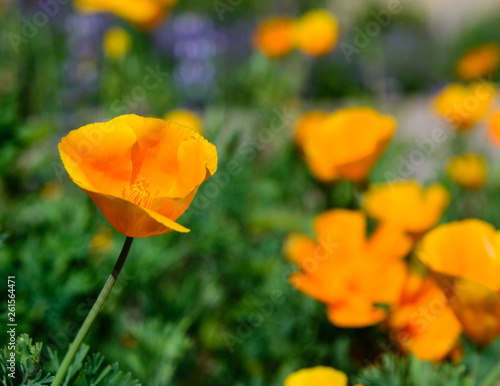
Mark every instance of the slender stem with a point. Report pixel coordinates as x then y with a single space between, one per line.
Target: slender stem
96 308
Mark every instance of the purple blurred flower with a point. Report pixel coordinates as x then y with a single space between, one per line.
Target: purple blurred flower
84 35
191 40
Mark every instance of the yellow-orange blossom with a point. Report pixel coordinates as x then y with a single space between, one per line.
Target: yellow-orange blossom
345 144
142 173
353 275
464 259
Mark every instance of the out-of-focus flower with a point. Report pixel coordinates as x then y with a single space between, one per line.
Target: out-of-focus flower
142 173
187 118
143 13
462 105
316 32
51 191
351 274
307 123
406 205
494 128
345 144
464 258
275 37
422 322
468 171
84 33
480 61
102 242
317 376
191 39
116 42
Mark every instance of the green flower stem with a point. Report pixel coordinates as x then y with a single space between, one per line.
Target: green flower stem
96 308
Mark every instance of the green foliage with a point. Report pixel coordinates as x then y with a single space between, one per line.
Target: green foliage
393 371
85 370
214 306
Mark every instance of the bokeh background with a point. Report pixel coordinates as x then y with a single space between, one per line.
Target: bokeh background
214 306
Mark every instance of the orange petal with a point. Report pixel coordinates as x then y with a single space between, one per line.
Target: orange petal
132 220
144 13
468 249
163 163
299 248
355 312
342 232
476 306
97 156
316 376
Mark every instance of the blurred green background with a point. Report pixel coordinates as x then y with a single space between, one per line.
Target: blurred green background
212 307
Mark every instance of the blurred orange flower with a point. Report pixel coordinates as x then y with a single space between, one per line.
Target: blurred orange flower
406 205
307 123
345 144
186 118
274 37
317 376
494 128
464 258
316 32
479 61
422 322
468 171
142 173
143 13
463 105
349 273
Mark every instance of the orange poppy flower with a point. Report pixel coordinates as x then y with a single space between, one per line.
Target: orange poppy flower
468 171
274 37
307 123
317 376
143 13
345 144
463 106
142 173
349 273
422 321
406 205
316 32
478 62
494 128
464 258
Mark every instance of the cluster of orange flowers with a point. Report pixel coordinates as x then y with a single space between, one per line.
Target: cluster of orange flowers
465 106
365 280
380 278
315 33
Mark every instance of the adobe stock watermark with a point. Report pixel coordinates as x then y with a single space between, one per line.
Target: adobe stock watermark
459 112
364 36
30 28
153 78
60 340
421 319
151 81
248 149
224 6
423 149
264 309
248 324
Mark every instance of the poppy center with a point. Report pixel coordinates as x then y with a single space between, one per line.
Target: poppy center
138 193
